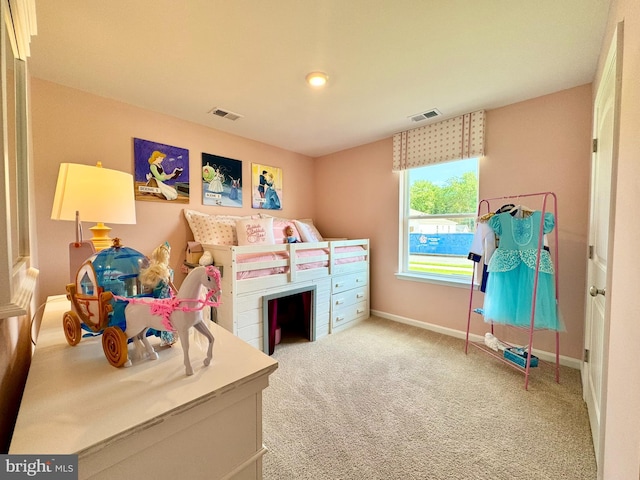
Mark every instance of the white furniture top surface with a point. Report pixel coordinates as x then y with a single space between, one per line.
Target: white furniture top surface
75 400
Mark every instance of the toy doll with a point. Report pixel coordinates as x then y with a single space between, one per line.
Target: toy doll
290 238
156 282
156 278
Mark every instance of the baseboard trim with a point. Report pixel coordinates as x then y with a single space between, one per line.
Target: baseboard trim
543 355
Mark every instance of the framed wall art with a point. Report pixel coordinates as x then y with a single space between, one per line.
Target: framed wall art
266 187
161 172
221 181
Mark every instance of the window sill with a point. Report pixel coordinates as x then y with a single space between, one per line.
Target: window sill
449 281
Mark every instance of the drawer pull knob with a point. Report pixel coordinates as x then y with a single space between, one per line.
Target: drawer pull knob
338 285
360 311
339 319
339 302
360 295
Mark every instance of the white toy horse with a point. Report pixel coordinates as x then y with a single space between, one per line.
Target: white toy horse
178 313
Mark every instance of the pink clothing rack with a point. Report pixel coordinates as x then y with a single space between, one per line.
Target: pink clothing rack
486 203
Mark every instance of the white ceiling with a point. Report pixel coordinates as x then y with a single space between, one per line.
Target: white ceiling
387 59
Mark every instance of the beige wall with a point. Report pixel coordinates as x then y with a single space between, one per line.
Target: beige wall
622 415
533 146
73 126
537 145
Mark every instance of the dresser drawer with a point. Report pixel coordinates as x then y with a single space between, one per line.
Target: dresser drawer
349 297
349 313
348 282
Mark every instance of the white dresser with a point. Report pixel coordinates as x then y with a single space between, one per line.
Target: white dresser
149 420
349 298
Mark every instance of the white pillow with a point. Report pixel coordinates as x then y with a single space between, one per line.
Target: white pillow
308 231
212 229
255 231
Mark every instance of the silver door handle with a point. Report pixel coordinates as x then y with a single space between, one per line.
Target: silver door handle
594 291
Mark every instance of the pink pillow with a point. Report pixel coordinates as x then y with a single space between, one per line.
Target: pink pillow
257 231
279 224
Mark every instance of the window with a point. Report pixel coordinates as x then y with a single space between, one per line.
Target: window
16 276
438 210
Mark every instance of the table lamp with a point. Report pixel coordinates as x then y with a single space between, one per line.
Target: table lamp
93 194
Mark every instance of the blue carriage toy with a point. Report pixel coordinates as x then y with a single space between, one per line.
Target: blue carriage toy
94 311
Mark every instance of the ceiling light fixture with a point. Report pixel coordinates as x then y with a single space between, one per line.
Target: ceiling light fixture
317 79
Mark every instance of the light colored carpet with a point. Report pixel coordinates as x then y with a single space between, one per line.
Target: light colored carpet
384 400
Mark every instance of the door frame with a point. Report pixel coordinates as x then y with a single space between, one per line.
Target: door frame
614 54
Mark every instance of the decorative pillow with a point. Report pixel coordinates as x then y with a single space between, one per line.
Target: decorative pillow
308 231
212 229
258 231
279 225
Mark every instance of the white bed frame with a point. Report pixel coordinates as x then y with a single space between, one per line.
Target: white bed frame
341 289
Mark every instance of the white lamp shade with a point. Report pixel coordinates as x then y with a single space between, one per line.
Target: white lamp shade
98 194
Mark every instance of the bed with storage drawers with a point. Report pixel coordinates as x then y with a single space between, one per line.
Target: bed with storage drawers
258 262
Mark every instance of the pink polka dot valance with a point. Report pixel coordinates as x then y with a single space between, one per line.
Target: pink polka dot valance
452 139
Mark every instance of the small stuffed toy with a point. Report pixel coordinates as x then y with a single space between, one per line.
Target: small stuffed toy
290 238
206 259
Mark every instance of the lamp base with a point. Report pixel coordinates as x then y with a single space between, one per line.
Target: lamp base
101 239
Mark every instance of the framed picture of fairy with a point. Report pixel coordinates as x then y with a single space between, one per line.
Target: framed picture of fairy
161 172
221 181
266 187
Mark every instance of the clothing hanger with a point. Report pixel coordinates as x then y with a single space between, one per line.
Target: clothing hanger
522 209
506 208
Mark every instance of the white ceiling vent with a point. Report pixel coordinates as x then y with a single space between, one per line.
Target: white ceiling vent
220 112
419 117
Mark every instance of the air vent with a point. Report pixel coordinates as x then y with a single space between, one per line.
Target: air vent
219 112
419 117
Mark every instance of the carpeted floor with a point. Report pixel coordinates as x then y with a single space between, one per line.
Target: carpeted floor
384 400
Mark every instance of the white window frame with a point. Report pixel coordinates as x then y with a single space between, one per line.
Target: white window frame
16 277
403 272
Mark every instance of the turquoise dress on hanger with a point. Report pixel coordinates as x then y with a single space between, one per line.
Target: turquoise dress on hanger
509 294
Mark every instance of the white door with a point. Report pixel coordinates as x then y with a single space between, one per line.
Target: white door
605 116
